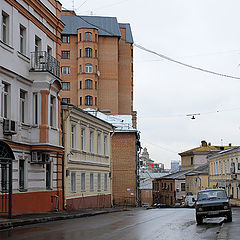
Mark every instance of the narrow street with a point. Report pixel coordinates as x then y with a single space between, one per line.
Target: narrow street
138 224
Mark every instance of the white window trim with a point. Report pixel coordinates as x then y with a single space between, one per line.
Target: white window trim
73 136
73 182
83 139
83 181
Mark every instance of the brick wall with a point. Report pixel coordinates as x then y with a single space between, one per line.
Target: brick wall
124 168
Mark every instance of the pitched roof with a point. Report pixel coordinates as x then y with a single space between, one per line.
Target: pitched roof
106 26
203 169
204 149
177 175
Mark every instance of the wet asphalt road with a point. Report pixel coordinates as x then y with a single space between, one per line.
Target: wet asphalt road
138 224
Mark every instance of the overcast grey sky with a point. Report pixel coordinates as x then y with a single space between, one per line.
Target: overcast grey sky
203 33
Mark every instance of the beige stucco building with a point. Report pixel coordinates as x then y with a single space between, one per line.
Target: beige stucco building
87 159
224 172
197 179
196 157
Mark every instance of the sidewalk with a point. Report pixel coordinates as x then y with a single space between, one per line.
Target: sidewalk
26 219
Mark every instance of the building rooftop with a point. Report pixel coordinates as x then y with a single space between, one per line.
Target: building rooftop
205 148
177 175
106 26
203 169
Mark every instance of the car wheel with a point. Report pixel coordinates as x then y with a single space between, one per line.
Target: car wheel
199 220
229 217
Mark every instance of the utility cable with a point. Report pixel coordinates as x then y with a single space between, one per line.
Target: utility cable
164 56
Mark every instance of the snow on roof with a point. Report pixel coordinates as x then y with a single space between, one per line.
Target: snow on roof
120 122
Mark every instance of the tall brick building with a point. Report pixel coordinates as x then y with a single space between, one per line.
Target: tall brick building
97 63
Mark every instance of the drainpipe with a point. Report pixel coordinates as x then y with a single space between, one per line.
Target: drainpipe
138 150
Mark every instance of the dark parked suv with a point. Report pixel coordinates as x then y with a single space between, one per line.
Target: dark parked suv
212 203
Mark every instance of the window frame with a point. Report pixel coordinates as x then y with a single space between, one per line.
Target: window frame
73 136
83 181
73 182
83 139
91 181
5 100
88 37
91 141
23 106
5 28
99 182
67 37
66 86
105 143
22 34
65 70
88 68
88 84
65 54
99 143
88 100
88 52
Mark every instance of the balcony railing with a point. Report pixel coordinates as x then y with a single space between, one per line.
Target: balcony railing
43 62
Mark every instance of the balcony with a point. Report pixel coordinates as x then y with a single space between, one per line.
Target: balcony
43 62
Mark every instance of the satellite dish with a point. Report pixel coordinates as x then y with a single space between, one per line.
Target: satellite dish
98 73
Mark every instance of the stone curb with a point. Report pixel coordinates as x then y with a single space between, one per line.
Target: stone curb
23 222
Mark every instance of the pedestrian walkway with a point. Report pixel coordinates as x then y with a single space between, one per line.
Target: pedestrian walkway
21 220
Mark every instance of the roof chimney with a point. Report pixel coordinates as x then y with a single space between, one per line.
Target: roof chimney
204 143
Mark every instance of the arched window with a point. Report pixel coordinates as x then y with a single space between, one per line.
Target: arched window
88 68
88 83
88 100
88 36
88 52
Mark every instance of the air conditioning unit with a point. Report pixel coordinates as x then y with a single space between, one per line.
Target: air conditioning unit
38 157
9 127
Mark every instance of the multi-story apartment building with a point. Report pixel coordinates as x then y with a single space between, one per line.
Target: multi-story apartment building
87 165
30 129
97 63
224 172
196 157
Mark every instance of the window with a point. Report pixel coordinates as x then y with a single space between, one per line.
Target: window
52 111
66 100
171 187
65 39
49 51
96 85
91 181
80 53
65 70
73 136
73 181
91 142
105 145
182 186
88 36
99 182
48 175
80 85
96 101
96 39
88 52
83 182
88 68
191 160
37 44
80 101
227 166
219 167
4 178
22 106
66 86
105 182
88 101
88 84
99 144
22 39
223 167
65 54
5 28
95 53
5 99
80 37
83 139
35 108
80 68
21 174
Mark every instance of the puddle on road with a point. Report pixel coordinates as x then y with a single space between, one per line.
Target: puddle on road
14 232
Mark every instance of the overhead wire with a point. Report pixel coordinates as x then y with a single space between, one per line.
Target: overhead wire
165 56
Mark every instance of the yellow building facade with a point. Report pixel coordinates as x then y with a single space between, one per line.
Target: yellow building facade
224 171
197 179
87 159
